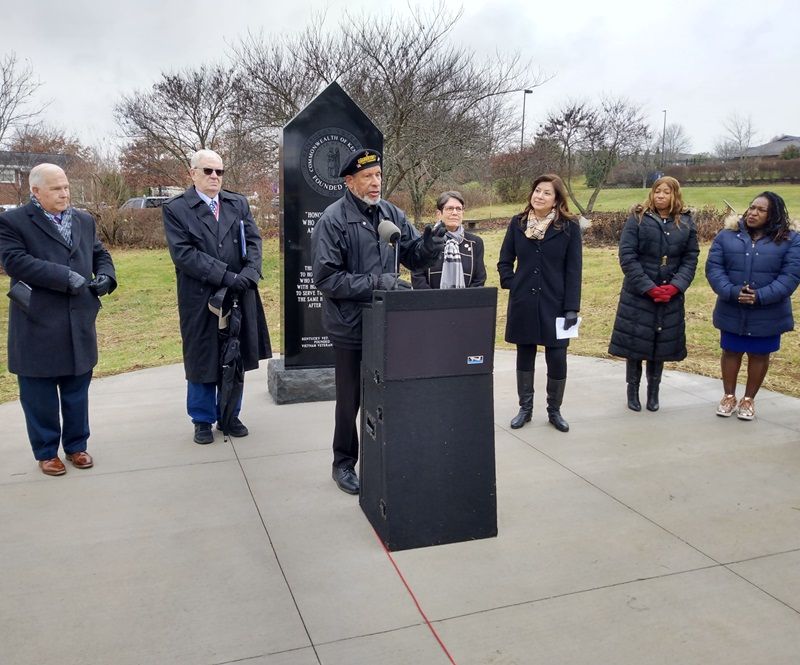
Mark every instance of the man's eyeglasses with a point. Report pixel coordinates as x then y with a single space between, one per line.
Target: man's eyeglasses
453 209
219 172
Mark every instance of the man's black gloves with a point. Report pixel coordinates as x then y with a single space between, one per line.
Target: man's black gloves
570 319
433 243
76 282
236 283
389 281
100 285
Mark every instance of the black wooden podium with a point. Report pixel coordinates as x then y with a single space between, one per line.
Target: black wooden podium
427 418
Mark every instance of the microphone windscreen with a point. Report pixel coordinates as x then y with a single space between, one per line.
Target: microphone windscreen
388 231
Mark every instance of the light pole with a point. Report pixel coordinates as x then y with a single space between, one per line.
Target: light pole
525 94
663 140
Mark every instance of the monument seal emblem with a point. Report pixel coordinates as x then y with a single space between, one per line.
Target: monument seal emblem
323 155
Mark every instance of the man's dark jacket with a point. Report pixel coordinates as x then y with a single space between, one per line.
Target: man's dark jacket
348 257
57 336
203 248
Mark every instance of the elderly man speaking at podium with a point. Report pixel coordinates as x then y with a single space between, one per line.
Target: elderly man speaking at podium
356 245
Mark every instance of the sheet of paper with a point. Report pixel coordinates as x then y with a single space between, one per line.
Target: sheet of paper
566 334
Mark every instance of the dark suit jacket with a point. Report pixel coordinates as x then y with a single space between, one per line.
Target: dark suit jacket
56 336
202 249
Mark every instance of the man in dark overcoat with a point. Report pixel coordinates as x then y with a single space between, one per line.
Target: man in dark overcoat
214 243
350 261
58 269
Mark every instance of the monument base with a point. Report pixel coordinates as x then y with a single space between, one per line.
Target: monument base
290 386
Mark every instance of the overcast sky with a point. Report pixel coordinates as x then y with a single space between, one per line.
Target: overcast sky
699 60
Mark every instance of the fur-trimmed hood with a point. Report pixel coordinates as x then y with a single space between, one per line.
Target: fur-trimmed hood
732 223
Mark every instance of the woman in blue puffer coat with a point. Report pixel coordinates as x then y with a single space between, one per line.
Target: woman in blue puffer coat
753 267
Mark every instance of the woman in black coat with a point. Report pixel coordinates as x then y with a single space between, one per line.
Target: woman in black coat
544 241
658 253
461 264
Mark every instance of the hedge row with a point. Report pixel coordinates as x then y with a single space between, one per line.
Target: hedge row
606 227
144 230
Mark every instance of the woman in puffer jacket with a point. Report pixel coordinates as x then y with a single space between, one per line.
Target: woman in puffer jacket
658 253
754 267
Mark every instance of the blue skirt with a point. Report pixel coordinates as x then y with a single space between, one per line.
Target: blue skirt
748 344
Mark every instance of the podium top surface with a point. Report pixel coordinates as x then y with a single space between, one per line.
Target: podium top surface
435 298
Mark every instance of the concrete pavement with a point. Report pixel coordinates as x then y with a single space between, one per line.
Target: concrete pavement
636 538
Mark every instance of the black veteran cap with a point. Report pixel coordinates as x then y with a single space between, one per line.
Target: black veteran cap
363 159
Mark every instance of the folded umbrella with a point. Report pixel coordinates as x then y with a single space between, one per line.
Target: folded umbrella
231 374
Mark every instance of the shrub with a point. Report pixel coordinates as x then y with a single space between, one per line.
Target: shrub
141 229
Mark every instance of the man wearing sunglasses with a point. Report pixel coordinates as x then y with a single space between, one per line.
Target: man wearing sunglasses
214 243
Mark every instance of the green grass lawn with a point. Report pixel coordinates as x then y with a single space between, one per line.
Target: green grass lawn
610 200
138 325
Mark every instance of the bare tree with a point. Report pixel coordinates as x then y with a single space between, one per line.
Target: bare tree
434 102
595 138
17 89
674 142
739 135
183 112
46 138
570 128
146 163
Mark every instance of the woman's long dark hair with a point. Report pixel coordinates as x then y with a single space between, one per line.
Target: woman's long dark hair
562 208
777 226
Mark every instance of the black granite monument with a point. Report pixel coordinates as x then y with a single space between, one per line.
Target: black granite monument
314 145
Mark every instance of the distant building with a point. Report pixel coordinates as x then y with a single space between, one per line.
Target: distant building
14 170
774 148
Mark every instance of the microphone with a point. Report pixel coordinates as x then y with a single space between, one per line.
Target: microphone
388 232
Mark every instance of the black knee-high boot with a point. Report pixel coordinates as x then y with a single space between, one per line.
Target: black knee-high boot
525 393
633 376
654 370
555 395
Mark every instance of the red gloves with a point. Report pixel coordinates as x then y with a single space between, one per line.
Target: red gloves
669 291
663 293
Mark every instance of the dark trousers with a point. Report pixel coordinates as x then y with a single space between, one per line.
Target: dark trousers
40 399
202 402
348 401
555 357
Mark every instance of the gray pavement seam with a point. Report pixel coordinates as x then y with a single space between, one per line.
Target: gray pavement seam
275 553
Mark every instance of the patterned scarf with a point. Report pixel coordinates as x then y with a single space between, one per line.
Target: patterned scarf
452 268
64 227
538 227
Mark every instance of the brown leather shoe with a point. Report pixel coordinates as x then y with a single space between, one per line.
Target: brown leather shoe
81 460
52 467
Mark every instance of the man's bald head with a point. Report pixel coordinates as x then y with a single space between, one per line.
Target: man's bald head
50 186
40 171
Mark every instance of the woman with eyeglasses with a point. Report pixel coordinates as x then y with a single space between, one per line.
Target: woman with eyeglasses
541 263
754 268
461 264
658 253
